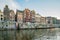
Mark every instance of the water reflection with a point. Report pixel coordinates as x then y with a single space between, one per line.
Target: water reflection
39 34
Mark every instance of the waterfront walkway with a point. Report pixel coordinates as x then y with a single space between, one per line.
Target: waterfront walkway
26 26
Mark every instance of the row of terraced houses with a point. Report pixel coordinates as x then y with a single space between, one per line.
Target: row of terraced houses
26 15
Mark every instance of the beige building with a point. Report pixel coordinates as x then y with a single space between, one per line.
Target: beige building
1 16
37 18
19 16
43 20
12 15
33 16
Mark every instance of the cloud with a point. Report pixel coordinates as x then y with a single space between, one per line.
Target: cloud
11 3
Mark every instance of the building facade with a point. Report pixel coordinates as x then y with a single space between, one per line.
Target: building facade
1 16
27 15
19 16
12 15
51 20
58 21
6 12
37 18
33 16
42 20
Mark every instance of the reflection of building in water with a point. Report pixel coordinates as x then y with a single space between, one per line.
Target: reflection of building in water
1 16
6 13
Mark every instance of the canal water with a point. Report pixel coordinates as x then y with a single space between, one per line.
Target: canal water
38 34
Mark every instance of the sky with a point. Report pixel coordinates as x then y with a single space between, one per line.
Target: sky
43 7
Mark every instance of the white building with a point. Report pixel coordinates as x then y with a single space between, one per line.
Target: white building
37 18
1 16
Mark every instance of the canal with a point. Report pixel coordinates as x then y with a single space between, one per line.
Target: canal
37 34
